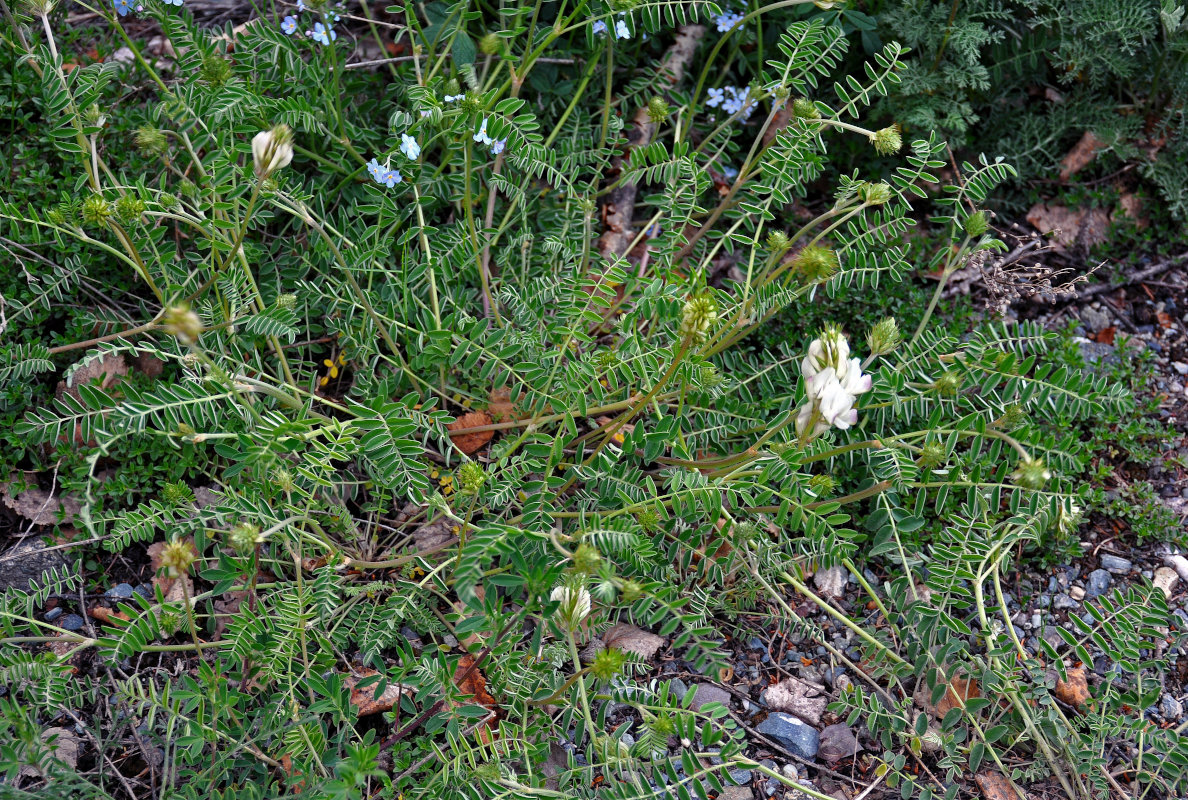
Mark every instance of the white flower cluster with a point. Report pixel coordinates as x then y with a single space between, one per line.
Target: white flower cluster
833 382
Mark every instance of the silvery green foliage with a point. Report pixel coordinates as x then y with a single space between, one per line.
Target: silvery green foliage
433 246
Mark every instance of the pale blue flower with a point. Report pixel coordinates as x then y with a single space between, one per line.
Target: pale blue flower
497 146
453 98
321 34
730 173
715 97
621 30
409 146
173 2
300 5
122 7
727 20
376 171
289 25
390 178
482 136
599 28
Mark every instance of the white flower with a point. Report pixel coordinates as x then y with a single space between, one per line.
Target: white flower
853 380
621 30
830 349
575 605
272 150
836 405
409 146
832 381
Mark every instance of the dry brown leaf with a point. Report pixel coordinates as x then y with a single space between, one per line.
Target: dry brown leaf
1106 335
1080 156
995 787
633 640
501 407
106 615
106 372
39 506
1074 691
364 698
1130 206
1070 226
470 443
470 681
960 690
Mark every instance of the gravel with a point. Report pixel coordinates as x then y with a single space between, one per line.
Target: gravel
1116 564
1099 582
72 622
792 734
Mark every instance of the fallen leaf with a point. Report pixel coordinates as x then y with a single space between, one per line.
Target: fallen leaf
995 786
470 681
297 786
1164 319
106 615
38 505
633 640
1130 206
837 742
64 747
960 690
1069 227
1074 691
470 443
364 698
797 697
1106 335
1080 156
500 406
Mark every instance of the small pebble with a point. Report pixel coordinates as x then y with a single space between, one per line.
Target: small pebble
1116 564
1063 602
1099 581
1077 593
53 614
1170 708
1165 578
72 622
123 590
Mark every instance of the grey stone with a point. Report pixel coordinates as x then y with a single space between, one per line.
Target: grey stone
1063 602
24 566
1052 636
736 793
792 734
1095 319
1099 582
72 622
53 614
122 590
740 776
838 742
1116 564
678 689
831 582
1098 354
1170 708
708 693
1179 564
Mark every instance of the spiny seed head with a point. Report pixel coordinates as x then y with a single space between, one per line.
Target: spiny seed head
781 93
188 188
887 141
183 323
663 725
94 116
283 480
631 591
932 455
177 556
815 264
95 211
884 337
55 216
215 69
177 494
822 485
648 519
150 141
803 108
608 664
471 477
697 317
167 200
1031 473
976 224
243 537
286 301
948 384
874 194
128 208
778 243
658 110
490 44
1012 417
587 559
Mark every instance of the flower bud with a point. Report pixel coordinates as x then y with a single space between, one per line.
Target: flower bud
243 537
648 519
188 188
1012 417
781 93
976 224
95 211
490 44
183 323
884 337
150 141
272 150
697 317
658 110
815 264
177 556
167 200
778 243
574 605
608 664
887 141
94 116
932 455
587 559
215 70
948 384
1031 473
128 208
176 494
630 591
803 108
471 477
822 485
874 194
283 480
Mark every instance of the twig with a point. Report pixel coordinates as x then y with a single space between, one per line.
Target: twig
101 751
1138 277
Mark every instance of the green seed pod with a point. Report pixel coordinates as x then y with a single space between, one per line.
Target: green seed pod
490 44
128 208
608 664
887 141
884 337
150 141
95 211
587 559
803 108
658 110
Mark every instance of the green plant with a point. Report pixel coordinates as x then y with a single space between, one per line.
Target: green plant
334 265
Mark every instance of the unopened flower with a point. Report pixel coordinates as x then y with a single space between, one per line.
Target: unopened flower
874 194
803 108
183 323
587 559
574 605
608 663
630 591
490 44
1031 473
884 337
95 210
272 150
177 556
244 536
887 141
778 242
697 317
129 208
289 25
150 141
727 20
658 110
947 384
830 349
471 477
815 263
976 224
409 146
173 2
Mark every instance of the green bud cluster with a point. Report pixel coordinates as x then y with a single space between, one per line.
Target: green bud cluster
815 264
884 337
697 318
95 211
129 208
887 141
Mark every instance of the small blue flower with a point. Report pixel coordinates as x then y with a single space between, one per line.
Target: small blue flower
321 34
300 5
497 146
715 98
173 2
390 178
599 28
730 173
122 7
451 98
621 30
289 25
409 146
376 171
482 136
654 231
727 20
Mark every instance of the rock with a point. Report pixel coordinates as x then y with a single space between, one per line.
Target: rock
24 566
736 793
1076 593
64 747
708 693
1116 564
740 776
837 742
1179 564
678 689
72 623
797 697
1095 319
1180 367
1099 582
831 582
1098 354
791 734
121 591
1074 691
1051 635
1063 602
53 614
1170 708
1165 578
